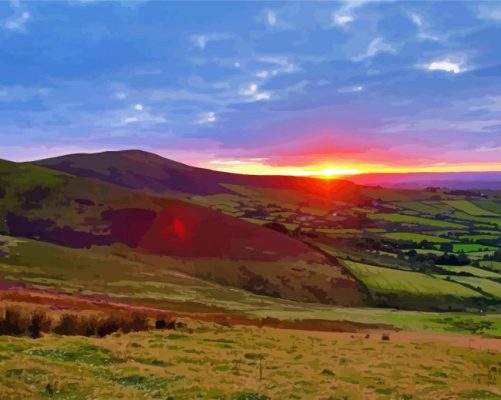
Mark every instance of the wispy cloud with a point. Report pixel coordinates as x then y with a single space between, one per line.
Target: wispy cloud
274 19
376 46
206 118
489 11
279 65
19 19
271 17
453 65
137 114
252 93
351 89
422 27
345 14
201 41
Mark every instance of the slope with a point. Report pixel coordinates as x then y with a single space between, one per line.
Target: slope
81 212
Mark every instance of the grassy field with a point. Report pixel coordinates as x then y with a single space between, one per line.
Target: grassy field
247 363
387 280
471 247
486 285
409 219
491 265
480 272
415 237
470 208
489 205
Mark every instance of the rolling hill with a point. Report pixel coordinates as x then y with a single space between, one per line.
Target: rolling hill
285 237
82 212
136 169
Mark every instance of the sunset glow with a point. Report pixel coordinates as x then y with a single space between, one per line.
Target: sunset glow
297 94
336 171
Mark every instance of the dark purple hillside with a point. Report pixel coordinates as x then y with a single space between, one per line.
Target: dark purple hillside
138 169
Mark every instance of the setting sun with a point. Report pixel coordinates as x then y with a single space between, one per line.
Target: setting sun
332 172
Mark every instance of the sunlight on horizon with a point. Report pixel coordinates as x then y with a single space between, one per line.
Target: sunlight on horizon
332 171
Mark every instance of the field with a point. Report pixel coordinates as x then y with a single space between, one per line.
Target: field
416 237
470 208
387 280
480 272
486 285
409 219
207 361
287 286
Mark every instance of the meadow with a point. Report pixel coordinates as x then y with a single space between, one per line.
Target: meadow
208 361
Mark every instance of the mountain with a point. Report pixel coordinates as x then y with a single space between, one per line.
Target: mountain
421 180
136 169
84 212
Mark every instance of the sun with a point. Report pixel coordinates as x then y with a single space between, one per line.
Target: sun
332 172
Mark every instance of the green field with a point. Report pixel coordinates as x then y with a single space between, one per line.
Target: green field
492 265
471 247
489 205
415 237
409 219
481 273
424 207
387 280
470 208
486 285
493 236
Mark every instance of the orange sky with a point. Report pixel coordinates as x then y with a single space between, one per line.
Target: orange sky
335 170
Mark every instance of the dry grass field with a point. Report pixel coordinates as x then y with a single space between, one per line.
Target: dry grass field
209 361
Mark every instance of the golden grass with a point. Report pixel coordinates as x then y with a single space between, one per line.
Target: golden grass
207 361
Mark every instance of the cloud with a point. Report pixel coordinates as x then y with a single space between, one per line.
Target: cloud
375 47
17 23
271 18
282 65
447 65
137 114
341 19
120 95
351 89
201 41
423 34
16 94
206 118
344 16
490 12
252 93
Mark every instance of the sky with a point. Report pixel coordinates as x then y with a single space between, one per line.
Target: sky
256 87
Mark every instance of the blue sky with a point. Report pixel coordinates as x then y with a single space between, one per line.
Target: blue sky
254 86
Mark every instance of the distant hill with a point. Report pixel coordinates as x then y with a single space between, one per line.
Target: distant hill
82 212
421 180
138 169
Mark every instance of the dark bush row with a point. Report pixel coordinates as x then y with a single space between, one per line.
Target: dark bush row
17 320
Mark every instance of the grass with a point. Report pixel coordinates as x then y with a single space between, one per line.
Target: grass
491 265
410 219
257 364
422 207
387 280
478 219
488 286
474 238
471 247
415 237
470 208
489 205
481 273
